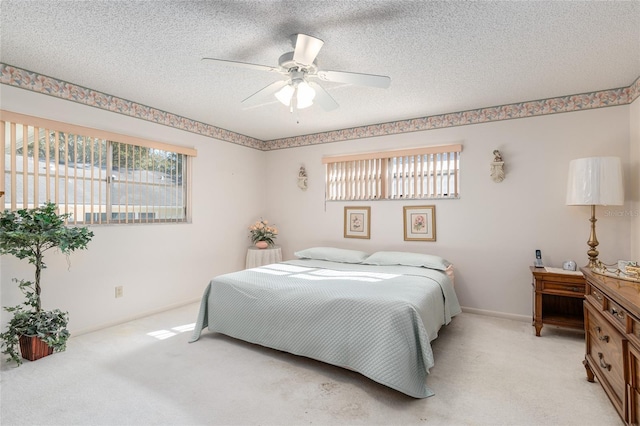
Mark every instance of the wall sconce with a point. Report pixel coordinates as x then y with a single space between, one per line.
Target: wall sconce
497 167
302 178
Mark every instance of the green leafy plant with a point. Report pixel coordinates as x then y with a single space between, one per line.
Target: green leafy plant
28 234
262 231
49 326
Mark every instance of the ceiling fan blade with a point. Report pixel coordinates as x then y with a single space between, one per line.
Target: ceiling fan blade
323 98
381 81
264 95
306 49
243 64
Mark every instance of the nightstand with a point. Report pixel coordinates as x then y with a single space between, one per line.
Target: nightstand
557 298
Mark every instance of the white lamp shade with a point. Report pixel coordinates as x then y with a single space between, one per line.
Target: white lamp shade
595 181
302 91
285 94
305 95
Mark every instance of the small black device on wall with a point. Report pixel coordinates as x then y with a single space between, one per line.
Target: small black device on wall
538 261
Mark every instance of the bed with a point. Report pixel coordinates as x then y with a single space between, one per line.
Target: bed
375 314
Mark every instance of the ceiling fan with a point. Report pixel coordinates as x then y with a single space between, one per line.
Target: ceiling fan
299 90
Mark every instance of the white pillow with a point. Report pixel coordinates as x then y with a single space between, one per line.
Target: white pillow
385 258
332 254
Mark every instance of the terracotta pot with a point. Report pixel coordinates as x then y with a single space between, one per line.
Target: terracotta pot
262 244
32 348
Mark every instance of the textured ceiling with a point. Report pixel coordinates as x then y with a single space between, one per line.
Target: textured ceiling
441 56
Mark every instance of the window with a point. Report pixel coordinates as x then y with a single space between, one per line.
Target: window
97 176
420 173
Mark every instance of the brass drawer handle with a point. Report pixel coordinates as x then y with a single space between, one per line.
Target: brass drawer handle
605 338
602 363
617 313
596 295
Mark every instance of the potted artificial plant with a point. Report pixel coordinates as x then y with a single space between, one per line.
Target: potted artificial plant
28 234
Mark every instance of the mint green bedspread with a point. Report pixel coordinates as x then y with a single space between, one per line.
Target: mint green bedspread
376 320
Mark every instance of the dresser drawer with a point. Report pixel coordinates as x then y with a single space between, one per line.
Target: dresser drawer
612 332
595 297
605 348
616 313
633 385
634 406
635 331
563 288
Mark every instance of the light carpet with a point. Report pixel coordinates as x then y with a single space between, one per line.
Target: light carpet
488 371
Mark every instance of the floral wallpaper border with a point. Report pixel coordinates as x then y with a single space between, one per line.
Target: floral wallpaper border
571 103
17 77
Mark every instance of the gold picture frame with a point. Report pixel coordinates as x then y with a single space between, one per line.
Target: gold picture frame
357 222
419 223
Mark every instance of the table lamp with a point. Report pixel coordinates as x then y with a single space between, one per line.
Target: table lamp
595 181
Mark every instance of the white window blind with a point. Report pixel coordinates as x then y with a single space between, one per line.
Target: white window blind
419 173
97 176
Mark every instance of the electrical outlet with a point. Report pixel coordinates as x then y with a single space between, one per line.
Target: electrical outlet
119 291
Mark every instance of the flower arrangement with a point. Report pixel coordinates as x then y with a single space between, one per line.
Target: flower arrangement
261 231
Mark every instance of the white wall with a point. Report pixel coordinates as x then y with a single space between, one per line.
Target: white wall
159 265
491 232
633 193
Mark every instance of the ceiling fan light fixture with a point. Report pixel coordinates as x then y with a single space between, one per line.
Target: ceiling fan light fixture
305 95
299 67
285 94
302 91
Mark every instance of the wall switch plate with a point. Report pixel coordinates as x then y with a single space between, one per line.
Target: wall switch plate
119 291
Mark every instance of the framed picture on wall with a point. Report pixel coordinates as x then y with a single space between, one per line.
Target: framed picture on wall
357 222
419 223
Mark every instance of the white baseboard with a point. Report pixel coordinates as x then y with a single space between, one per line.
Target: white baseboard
515 317
134 317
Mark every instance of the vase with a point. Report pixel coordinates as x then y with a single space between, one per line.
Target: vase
32 348
262 244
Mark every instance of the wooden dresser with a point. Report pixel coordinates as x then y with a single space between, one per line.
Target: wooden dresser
612 332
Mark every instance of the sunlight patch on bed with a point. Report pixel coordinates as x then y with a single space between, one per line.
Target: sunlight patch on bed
315 274
333 273
271 271
288 268
335 277
281 269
